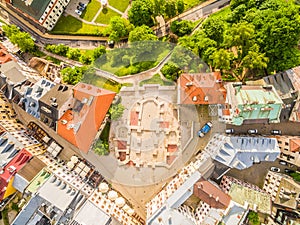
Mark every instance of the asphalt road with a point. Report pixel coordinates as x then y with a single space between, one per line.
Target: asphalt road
287 128
256 174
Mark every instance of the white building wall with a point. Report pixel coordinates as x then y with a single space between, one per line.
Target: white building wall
52 13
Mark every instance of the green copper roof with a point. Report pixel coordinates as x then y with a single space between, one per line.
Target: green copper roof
35 9
38 181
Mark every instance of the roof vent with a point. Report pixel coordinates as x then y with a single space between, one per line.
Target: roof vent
54 104
237 84
189 84
267 87
64 122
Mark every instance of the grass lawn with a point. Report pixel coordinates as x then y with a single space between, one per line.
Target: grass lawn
87 52
191 3
137 66
54 60
101 82
105 15
120 4
71 25
222 14
91 10
156 79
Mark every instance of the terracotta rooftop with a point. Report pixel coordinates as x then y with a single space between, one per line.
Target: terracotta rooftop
81 122
211 195
295 145
4 55
202 88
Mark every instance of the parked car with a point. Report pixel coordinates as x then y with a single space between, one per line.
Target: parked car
283 162
276 132
78 12
80 8
205 129
229 131
289 171
82 5
275 169
252 131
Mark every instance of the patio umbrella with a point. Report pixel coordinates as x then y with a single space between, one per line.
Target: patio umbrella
103 187
74 159
120 202
70 165
112 195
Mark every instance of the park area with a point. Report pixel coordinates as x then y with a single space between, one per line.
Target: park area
93 20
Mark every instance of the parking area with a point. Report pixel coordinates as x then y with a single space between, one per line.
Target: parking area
70 10
257 173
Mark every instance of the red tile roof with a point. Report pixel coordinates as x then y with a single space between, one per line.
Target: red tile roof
12 168
80 124
4 55
295 145
211 195
201 88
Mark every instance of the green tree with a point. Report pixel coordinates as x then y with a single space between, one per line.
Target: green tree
171 71
9 30
181 28
180 6
170 8
159 7
141 12
61 49
253 218
99 51
142 33
222 59
116 111
214 29
118 28
72 75
24 41
74 54
101 147
85 59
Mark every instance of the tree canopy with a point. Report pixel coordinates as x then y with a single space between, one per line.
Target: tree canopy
22 39
118 28
252 37
72 75
142 33
141 12
116 111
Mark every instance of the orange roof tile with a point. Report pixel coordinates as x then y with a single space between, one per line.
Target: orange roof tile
211 195
201 88
5 56
295 145
80 124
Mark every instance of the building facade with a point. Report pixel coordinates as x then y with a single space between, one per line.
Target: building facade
290 148
247 104
43 12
